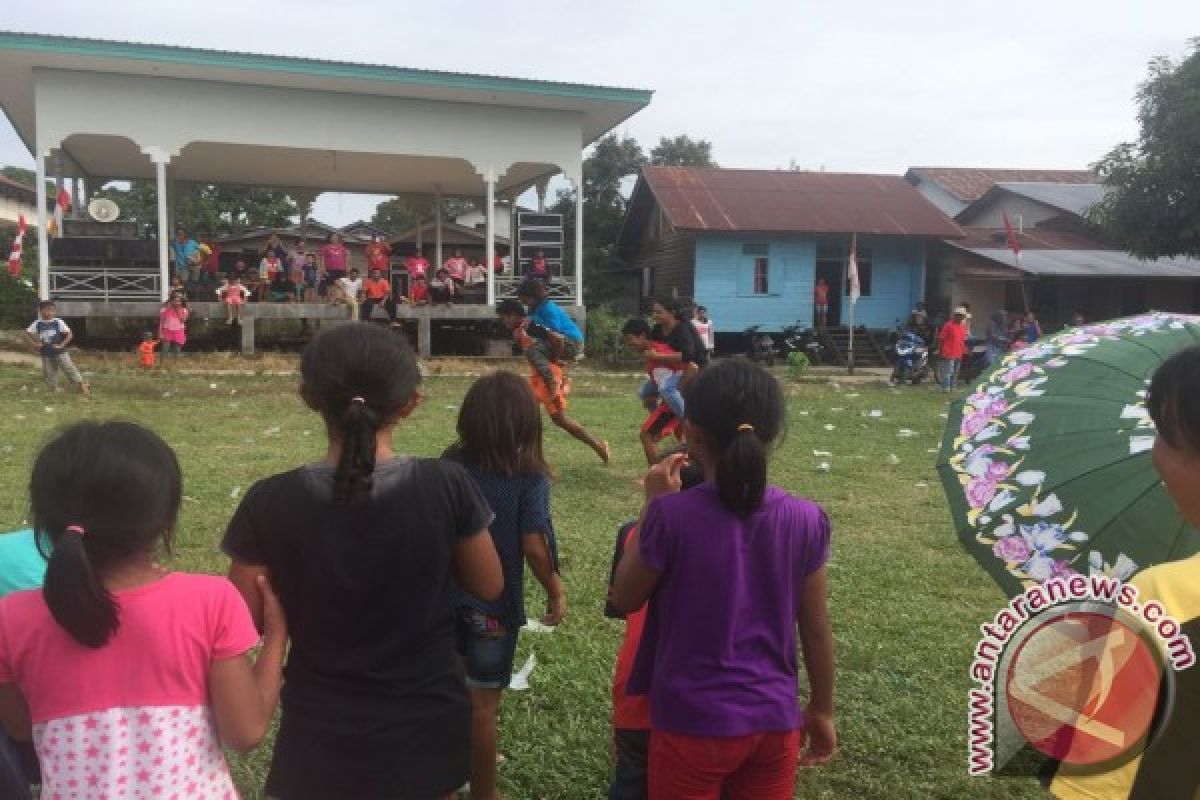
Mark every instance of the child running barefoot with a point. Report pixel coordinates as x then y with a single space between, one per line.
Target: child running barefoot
233 295
549 376
665 371
500 444
128 677
366 548
732 570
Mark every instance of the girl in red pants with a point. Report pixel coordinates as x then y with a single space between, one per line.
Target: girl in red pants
732 569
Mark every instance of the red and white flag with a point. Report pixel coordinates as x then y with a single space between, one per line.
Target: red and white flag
14 257
61 206
854 290
1011 236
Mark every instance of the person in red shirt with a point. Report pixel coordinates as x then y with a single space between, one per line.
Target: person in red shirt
631 713
418 291
377 291
821 302
952 346
378 253
539 268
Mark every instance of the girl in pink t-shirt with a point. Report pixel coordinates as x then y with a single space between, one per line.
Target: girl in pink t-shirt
171 322
128 677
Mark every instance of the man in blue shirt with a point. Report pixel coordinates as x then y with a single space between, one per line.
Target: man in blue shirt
184 248
565 346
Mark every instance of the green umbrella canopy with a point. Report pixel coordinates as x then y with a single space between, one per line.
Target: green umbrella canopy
1046 462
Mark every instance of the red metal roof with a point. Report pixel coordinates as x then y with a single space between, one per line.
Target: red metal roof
778 201
969 184
1032 239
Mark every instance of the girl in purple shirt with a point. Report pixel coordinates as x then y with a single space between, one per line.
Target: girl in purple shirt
732 570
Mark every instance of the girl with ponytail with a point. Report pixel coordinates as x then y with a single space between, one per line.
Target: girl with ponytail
730 571
114 651
366 548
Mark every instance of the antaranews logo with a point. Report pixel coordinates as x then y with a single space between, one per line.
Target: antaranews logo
1073 667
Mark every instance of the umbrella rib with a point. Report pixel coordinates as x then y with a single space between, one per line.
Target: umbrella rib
1095 536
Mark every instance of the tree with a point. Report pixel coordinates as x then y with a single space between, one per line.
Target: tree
205 208
1152 207
682 151
401 213
610 163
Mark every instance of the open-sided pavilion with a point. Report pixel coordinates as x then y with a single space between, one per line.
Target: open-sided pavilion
96 111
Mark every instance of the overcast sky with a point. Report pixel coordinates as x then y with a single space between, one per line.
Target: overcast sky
869 86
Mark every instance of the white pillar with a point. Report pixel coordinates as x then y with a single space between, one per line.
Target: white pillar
77 197
437 227
579 243
490 253
160 159
42 222
541 187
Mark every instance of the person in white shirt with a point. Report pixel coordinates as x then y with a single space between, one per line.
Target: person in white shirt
704 327
476 273
351 287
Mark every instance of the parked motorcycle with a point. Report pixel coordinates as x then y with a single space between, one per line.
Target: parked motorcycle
912 359
800 339
760 346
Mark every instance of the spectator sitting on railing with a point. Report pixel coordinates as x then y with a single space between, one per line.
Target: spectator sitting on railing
476 274
442 288
283 288
539 268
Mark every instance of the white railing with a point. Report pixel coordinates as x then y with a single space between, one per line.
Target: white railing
104 283
560 288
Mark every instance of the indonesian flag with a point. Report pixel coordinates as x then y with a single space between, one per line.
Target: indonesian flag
61 206
1011 236
855 291
14 257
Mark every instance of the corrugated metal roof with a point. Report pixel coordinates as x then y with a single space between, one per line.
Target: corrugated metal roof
969 184
1032 239
1074 198
1090 263
777 201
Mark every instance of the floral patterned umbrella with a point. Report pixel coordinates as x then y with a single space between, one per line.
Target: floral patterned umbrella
1047 461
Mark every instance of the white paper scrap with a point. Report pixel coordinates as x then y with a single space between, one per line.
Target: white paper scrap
520 681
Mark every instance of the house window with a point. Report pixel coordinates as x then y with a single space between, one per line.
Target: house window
761 275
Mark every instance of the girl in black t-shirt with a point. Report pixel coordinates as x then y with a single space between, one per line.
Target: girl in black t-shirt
365 549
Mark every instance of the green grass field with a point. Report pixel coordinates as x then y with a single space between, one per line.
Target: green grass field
906 601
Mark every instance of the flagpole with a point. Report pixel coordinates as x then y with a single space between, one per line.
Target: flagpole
851 291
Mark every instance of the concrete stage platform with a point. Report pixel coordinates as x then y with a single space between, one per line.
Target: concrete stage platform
424 316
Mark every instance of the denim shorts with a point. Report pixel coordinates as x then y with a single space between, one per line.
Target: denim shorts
487 647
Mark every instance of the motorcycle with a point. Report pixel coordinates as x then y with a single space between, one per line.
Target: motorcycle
912 359
799 339
759 346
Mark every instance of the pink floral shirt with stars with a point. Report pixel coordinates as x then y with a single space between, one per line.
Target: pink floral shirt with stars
129 720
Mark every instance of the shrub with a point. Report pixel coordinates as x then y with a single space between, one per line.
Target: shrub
604 339
797 363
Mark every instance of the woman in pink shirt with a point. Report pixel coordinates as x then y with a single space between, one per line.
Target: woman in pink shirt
172 321
334 257
128 677
457 267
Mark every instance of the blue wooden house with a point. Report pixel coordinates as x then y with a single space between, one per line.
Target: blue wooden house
750 244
